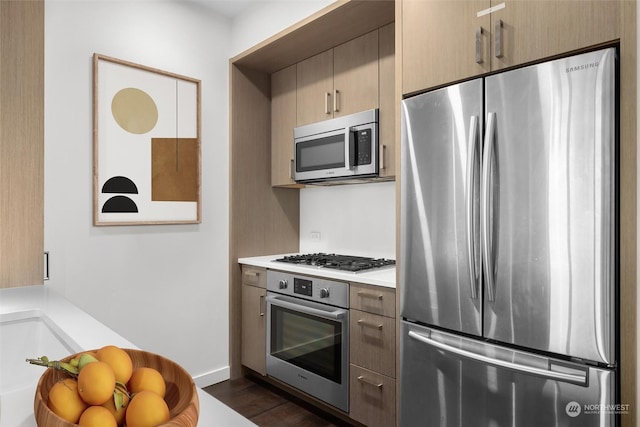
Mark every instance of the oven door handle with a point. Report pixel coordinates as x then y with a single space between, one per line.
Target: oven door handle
336 314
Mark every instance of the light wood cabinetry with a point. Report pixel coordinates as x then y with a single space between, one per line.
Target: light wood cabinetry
315 85
354 76
254 332
445 41
283 120
21 143
387 102
372 330
339 81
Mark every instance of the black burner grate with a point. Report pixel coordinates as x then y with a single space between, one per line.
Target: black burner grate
338 262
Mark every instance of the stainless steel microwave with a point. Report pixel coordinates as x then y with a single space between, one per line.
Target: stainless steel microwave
340 148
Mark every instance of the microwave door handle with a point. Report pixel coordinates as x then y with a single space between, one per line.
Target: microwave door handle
335 315
350 149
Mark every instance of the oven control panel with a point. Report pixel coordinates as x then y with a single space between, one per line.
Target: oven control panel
311 288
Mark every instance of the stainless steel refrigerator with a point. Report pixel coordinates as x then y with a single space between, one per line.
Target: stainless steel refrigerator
509 249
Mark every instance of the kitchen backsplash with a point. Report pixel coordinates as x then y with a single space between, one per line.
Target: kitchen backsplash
350 219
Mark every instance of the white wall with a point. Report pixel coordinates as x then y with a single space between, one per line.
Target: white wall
268 18
353 219
165 288
349 219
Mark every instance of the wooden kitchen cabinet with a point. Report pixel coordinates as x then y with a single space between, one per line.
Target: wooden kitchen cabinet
372 336
339 81
439 42
22 143
254 325
283 120
445 41
373 397
387 99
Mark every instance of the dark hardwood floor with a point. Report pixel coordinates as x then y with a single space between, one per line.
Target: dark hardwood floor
268 406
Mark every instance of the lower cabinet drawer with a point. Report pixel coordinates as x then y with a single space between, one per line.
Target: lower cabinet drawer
372 397
373 342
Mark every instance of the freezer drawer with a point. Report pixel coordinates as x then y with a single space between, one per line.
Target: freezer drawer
449 381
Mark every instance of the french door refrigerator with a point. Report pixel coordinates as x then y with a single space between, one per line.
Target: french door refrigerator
509 249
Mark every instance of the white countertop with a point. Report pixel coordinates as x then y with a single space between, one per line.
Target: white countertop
385 276
88 333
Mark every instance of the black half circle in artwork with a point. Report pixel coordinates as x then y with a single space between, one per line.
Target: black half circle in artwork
121 185
119 204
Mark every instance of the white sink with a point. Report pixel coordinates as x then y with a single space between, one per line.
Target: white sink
26 334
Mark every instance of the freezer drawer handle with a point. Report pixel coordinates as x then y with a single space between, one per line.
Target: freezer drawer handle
370 382
553 375
336 314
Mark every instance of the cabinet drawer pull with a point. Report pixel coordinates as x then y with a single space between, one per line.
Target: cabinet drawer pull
252 273
327 103
370 382
363 322
364 294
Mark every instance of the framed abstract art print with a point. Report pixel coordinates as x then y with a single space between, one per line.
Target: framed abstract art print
146 145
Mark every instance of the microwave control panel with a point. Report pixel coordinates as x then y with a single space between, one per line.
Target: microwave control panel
363 144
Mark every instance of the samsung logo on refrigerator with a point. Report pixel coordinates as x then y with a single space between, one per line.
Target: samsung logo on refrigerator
583 67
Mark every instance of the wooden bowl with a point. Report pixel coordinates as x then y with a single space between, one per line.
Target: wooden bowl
181 395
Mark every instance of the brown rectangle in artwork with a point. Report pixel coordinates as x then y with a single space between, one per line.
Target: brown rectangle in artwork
174 169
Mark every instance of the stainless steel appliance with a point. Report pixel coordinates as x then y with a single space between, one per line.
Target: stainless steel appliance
340 148
338 262
308 335
509 249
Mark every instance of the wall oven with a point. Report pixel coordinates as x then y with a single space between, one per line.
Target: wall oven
341 148
308 335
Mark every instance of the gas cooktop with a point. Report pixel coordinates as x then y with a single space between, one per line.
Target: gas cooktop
338 262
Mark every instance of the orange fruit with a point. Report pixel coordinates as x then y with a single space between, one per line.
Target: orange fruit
147 379
119 361
96 383
118 413
97 416
147 409
65 401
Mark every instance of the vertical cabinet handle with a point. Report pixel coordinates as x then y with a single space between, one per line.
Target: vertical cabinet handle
336 101
291 170
327 103
498 39
383 148
260 304
479 45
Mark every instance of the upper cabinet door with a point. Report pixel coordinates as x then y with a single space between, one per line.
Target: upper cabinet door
533 30
283 120
315 88
443 41
355 75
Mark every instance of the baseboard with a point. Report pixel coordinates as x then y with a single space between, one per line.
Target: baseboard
212 377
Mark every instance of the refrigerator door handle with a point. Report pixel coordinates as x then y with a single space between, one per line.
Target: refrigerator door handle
471 184
486 202
519 367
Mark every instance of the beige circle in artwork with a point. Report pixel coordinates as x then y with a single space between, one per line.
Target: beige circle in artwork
134 110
